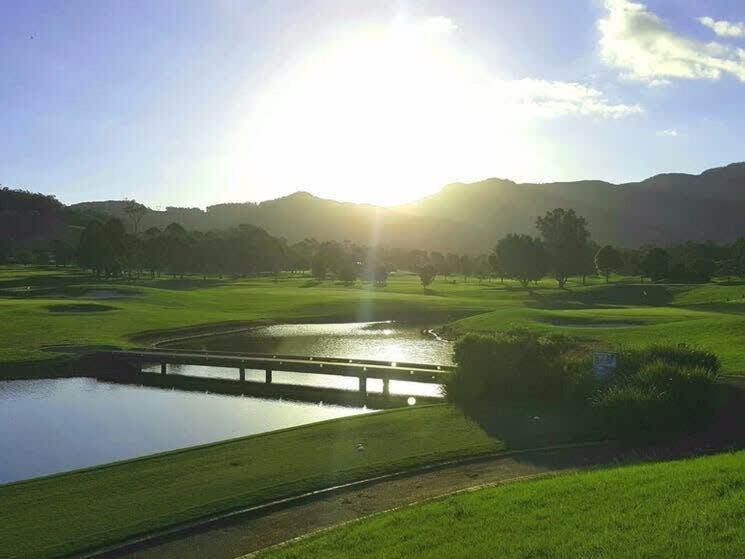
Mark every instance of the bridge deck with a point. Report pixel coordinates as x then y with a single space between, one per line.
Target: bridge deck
292 363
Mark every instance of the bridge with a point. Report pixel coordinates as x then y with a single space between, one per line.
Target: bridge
359 368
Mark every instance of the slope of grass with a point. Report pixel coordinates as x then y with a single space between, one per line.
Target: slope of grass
710 316
62 514
689 508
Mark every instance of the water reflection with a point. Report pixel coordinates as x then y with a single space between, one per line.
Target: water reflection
49 426
385 341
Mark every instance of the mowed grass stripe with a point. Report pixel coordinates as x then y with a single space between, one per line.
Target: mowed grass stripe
81 510
687 508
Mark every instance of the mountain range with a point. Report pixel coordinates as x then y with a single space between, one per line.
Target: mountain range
462 217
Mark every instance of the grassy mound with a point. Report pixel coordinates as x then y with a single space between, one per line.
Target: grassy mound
99 506
688 508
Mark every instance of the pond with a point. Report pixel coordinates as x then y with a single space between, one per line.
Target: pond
56 425
385 341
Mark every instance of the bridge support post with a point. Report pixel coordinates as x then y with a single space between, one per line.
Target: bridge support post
162 368
386 386
268 376
363 384
242 373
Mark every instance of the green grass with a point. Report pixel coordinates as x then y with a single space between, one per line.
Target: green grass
710 316
62 514
689 508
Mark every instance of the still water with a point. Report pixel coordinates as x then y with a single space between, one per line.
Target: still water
383 341
56 425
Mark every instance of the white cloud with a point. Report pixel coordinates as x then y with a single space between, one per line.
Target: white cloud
438 25
548 99
724 28
641 44
669 133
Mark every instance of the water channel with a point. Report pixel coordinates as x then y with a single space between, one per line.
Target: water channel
55 425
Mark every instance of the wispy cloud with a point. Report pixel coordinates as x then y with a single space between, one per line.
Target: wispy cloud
550 99
724 28
669 133
640 43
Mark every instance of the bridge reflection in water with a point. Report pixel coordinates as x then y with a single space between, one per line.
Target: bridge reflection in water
131 367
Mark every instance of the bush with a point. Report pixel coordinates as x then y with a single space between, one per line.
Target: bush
517 367
659 391
628 411
630 361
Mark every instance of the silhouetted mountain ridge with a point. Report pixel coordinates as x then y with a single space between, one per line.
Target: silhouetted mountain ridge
469 217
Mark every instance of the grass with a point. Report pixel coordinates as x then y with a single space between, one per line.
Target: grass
66 513
90 508
710 316
687 508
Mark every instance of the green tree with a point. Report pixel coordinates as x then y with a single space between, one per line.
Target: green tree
521 257
565 237
135 212
655 263
608 260
427 275
466 267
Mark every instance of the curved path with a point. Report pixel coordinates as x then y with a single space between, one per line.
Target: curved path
245 535
266 527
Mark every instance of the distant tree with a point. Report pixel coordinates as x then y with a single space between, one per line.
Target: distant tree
348 273
608 260
732 262
427 275
694 262
380 276
24 257
655 263
465 267
587 263
437 260
135 212
452 263
632 263
565 237
521 257
63 253
496 267
318 267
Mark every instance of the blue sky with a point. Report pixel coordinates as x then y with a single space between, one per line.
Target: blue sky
194 103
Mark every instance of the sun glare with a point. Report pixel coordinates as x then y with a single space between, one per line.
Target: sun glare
381 116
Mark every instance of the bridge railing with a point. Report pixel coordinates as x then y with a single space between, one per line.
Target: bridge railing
248 355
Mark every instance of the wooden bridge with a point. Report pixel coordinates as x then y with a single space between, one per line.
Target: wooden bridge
362 369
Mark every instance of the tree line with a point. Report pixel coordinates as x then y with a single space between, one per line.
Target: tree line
561 248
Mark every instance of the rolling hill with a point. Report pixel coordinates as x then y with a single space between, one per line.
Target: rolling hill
462 217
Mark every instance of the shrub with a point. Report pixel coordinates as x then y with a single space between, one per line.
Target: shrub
659 391
628 411
517 367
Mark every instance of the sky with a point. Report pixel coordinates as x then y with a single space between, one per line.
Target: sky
192 103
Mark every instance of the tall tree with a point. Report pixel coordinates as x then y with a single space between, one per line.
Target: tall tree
655 263
135 212
565 237
607 261
521 257
427 275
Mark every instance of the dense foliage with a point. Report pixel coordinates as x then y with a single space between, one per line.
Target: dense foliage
654 392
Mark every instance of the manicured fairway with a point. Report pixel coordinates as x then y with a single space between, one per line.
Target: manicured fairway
46 307
71 512
689 508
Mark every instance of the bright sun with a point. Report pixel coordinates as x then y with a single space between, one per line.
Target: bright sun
383 116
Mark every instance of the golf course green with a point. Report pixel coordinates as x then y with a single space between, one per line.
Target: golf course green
45 313
48 316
